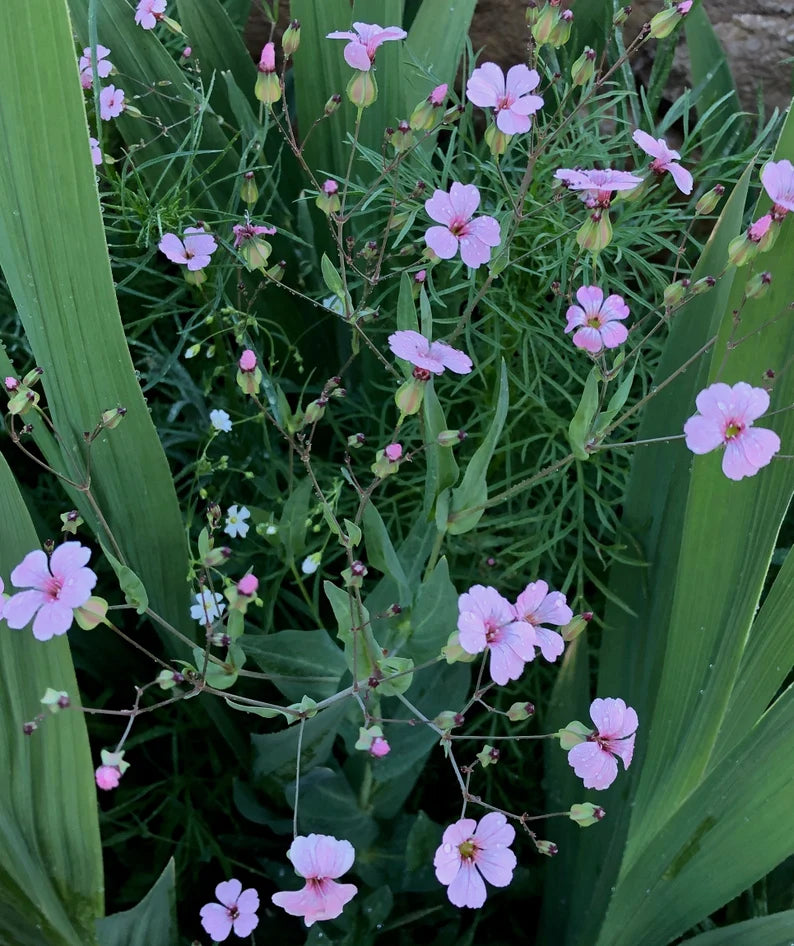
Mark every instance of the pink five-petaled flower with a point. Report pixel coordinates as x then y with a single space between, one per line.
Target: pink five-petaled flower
471 851
509 98
726 417
247 231
664 159
597 186
194 252
320 859
455 211
57 588
487 621
597 320
103 64
360 51
236 911
778 180
432 356
594 760
148 12
111 102
536 605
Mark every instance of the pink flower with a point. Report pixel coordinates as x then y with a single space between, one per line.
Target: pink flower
267 61
360 51
597 186
107 777
726 418
96 154
247 360
194 253
536 605
57 588
247 585
510 98
111 102
487 621
758 230
664 160
2 598
247 231
778 180
236 911
104 65
394 451
684 7
432 356
148 12
594 760
330 187
11 384
597 319
319 858
379 748
455 210
438 95
186 52
471 851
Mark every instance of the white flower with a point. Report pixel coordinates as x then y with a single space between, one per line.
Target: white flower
235 522
208 607
311 563
220 420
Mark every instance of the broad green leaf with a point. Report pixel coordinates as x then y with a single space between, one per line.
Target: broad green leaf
361 649
151 923
298 662
581 424
773 930
381 553
442 467
433 48
473 490
134 591
51 885
54 258
434 614
331 278
276 753
292 525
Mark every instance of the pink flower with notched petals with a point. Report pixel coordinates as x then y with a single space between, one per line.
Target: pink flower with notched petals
111 102
487 621
194 252
57 588
103 64
236 911
320 859
432 356
594 760
664 159
597 320
455 211
725 418
509 98
470 851
148 12
536 605
360 51
778 180
597 186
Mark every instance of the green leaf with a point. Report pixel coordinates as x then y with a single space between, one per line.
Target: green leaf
442 467
433 48
298 662
773 930
381 553
134 591
151 923
616 402
331 278
361 649
292 525
51 885
276 753
472 494
579 430
434 614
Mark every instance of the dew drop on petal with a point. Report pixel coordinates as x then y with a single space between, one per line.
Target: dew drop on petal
447 848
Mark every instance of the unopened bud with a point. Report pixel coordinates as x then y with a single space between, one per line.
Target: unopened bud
451 438
328 199
403 138
549 848
291 39
667 20
448 720
355 441
621 16
488 756
496 140
675 292
703 285
574 628
518 712
741 250
596 232
249 192
111 419
32 376
586 814
544 21
758 285
314 412
55 700
583 69
362 89
561 31
333 104
409 397
709 200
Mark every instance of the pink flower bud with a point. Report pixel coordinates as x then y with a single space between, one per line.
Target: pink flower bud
247 585
247 360
379 748
267 61
107 777
186 52
11 384
394 451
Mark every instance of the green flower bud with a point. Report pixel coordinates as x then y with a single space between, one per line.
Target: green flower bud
665 21
703 285
549 848
267 88
741 250
573 734
496 140
291 39
586 814
362 89
675 292
583 69
409 397
55 700
561 32
249 192
709 200
518 712
758 285
488 756
451 438
112 418
544 22
596 232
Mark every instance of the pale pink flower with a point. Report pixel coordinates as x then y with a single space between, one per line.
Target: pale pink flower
267 61
509 98
536 605
247 585
487 621
594 760
725 417
380 747
470 851
438 95
394 451
235 911
455 211
247 360
148 12
597 186
107 777
2 598
111 102
96 154
57 588
664 159
330 187
597 320
194 252
320 859
778 180
360 50
186 52
432 356
758 230
103 64
684 7
247 231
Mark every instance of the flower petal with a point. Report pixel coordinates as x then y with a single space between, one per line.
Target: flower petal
467 889
465 199
20 608
53 619
439 207
442 242
683 179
